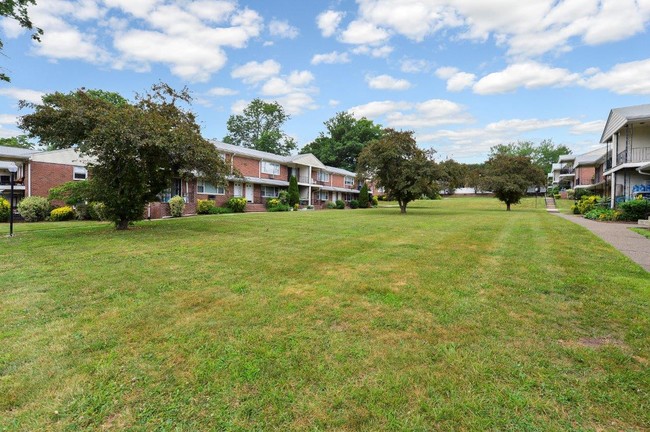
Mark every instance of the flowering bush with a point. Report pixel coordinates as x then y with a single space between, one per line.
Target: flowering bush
34 209
4 210
62 214
204 206
176 206
237 205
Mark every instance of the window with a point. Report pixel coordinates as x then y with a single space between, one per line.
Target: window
349 181
204 187
271 168
80 173
323 196
270 192
323 176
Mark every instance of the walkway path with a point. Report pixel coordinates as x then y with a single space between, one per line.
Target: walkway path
619 235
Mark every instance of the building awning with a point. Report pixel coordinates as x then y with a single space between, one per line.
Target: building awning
338 189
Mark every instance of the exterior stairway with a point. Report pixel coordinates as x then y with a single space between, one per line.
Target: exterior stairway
550 204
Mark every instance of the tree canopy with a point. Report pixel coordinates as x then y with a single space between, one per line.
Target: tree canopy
543 154
136 149
19 141
344 139
397 164
508 177
260 128
17 10
452 175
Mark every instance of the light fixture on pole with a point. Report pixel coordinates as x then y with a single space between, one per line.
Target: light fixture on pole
12 169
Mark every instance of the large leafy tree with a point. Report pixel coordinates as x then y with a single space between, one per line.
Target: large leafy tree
508 177
543 154
136 149
397 164
17 10
260 128
344 139
452 175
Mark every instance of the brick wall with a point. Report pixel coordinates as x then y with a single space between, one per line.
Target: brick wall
337 180
584 175
248 167
48 175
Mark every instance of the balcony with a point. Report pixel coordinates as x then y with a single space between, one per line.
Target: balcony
633 155
567 171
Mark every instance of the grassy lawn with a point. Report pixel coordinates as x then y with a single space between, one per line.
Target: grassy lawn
457 316
643 231
564 205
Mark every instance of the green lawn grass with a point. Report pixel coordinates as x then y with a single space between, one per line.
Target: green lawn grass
643 231
457 316
564 205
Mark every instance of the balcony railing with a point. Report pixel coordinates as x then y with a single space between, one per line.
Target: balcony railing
608 164
640 154
565 171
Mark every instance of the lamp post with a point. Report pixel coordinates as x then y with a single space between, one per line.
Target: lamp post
12 169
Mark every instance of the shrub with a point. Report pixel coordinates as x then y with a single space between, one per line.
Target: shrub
354 204
294 191
579 193
237 205
279 208
557 196
97 211
381 198
276 205
34 209
296 207
283 197
176 206
601 214
570 193
62 214
375 201
4 210
574 209
331 205
220 210
204 206
340 204
635 209
587 203
272 202
363 196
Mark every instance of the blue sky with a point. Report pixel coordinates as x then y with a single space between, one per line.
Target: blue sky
463 74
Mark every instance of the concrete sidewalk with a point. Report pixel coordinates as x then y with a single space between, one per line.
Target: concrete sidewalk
619 235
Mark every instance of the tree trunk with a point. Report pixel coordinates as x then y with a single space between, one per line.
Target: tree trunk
507 206
402 207
123 224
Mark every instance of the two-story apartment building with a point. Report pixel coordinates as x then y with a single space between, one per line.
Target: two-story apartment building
589 171
259 176
627 139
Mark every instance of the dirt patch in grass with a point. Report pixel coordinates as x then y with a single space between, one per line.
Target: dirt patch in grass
595 342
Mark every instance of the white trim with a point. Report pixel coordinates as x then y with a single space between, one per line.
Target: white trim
264 168
216 188
79 170
29 179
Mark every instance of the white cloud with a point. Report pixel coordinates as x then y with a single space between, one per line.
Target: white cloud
292 91
377 52
11 28
363 32
238 106
18 94
253 72
282 29
221 91
333 102
8 119
330 58
527 29
188 38
328 22
624 78
529 75
591 127
430 113
387 82
415 65
373 110
472 142
456 80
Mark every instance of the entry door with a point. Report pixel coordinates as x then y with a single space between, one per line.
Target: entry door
238 190
249 192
